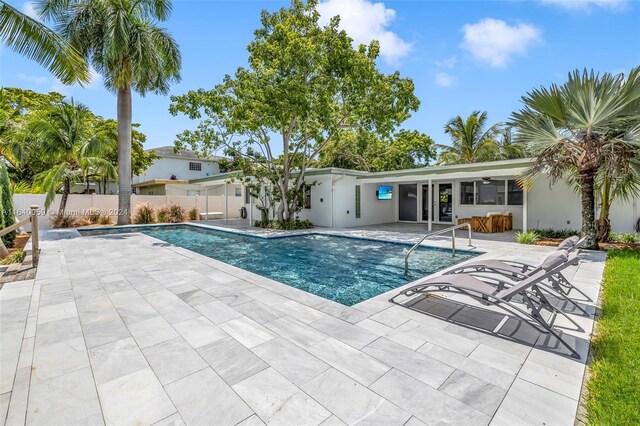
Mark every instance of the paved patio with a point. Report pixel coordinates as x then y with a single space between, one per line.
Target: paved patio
125 329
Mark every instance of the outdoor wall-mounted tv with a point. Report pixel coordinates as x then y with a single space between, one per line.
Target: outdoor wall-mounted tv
384 192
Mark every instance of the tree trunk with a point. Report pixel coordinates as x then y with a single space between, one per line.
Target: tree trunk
66 189
124 155
604 224
586 179
3 250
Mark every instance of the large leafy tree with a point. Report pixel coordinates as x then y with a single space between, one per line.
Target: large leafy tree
363 151
68 135
125 45
305 86
585 129
471 141
32 39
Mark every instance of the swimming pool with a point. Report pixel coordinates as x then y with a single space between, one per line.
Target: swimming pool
342 269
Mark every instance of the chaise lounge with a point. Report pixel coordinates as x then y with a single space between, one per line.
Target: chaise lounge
505 295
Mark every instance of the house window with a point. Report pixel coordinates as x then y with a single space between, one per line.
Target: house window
307 197
193 193
466 192
514 193
490 192
357 201
197 167
238 192
247 196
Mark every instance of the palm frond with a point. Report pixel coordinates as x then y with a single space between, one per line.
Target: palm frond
32 39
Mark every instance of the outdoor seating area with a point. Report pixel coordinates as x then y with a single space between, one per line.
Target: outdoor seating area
491 223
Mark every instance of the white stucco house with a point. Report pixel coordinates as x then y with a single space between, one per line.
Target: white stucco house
170 174
442 195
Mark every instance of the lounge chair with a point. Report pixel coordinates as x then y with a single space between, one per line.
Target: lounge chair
518 271
501 294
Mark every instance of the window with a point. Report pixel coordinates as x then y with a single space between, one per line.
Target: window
247 196
238 192
490 192
514 193
357 201
193 193
466 192
195 167
307 197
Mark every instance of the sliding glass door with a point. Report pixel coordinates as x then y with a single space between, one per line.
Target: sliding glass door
445 202
408 202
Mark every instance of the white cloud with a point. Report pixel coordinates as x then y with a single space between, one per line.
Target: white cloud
447 63
33 78
444 80
96 79
29 10
494 41
586 5
365 21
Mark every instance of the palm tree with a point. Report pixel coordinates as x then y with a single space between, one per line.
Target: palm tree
32 39
470 142
123 43
617 179
73 145
576 128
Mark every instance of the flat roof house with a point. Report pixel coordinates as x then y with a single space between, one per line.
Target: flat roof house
443 195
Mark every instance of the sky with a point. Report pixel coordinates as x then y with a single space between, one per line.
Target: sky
462 55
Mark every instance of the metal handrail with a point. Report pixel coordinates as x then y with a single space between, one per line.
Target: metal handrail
442 231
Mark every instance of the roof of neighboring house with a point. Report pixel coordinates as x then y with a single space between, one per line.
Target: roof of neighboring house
169 151
154 182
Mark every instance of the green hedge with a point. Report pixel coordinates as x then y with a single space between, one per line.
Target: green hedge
6 197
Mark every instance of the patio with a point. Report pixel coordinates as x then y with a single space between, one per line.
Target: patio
126 329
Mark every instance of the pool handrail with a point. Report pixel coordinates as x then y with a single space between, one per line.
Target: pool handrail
442 231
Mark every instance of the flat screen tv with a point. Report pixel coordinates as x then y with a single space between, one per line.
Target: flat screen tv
384 192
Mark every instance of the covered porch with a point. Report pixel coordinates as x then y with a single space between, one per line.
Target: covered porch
438 197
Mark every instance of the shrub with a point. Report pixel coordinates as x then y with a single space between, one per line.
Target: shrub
556 233
194 214
630 238
162 214
289 225
177 214
15 257
144 213
528 237
63 221
6 197
83 221
105 220
94 216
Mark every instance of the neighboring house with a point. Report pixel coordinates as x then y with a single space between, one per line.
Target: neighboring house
174 169
442 195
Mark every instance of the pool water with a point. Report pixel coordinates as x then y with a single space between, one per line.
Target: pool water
345 270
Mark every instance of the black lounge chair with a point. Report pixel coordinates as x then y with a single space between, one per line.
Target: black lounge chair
518 271
504 295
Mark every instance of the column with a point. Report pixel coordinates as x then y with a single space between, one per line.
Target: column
430 204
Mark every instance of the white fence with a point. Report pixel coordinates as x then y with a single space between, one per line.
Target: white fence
82 204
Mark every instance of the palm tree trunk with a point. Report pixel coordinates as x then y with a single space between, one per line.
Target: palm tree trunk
124 155
604 224
66 189
586 179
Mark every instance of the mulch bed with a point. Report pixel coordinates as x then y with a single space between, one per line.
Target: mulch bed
20 242
553 242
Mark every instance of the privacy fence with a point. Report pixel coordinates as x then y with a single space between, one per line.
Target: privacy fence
82 204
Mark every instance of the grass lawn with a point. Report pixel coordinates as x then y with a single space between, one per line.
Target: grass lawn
614 385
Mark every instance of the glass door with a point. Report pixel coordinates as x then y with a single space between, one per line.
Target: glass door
408 202
425 202
445 202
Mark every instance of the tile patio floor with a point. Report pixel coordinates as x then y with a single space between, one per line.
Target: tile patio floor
125 329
